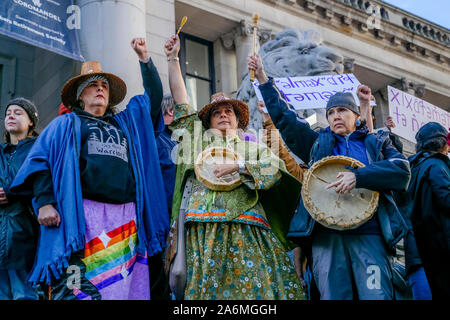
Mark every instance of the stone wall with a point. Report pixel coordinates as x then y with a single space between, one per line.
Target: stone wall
385 47
35 74
160 25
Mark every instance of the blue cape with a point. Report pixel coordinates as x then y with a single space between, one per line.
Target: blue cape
58 149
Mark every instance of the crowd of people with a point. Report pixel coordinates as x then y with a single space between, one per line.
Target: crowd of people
107 204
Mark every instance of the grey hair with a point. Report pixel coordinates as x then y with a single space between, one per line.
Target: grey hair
167 103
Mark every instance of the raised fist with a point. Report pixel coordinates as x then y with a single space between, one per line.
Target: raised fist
364 93
172 46
255 64
139 46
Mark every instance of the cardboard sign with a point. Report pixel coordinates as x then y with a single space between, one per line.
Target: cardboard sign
410 113
313 92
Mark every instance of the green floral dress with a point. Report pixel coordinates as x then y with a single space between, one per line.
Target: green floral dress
231 250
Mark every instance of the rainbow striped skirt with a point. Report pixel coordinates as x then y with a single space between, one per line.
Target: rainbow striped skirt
109 268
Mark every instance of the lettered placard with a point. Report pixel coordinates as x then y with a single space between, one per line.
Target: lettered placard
410 113
313 92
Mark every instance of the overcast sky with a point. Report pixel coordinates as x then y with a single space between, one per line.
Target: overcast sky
437 11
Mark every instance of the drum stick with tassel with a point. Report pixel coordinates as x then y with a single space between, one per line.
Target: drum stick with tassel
255 23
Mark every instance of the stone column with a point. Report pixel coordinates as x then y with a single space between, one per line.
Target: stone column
243 42
381 110
349 65
225 68
107 28
161 24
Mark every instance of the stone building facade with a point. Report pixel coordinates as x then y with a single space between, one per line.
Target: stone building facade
382 45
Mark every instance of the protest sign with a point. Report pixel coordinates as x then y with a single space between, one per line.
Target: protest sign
313 92
410 113
49 24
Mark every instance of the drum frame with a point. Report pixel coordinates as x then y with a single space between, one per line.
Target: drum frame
216 185
326 219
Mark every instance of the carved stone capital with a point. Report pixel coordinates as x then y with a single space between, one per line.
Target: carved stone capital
264 35
349 65
245 28
405 84
228 40
418 89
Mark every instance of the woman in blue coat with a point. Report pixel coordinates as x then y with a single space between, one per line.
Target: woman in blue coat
98 193
18 225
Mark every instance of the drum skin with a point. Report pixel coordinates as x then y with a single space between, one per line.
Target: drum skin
333 210
204 166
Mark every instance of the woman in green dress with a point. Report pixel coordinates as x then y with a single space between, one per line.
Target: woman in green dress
235 245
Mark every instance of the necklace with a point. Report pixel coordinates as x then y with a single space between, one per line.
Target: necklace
11 156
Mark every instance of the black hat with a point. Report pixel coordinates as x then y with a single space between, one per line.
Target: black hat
28 106
429 131
342 99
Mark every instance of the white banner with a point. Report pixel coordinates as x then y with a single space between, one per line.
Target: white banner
410 113
314 92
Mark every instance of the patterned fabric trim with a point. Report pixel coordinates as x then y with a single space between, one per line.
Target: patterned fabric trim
182 110
219 215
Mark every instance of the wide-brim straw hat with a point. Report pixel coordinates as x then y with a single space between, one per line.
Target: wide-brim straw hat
117 87
221 98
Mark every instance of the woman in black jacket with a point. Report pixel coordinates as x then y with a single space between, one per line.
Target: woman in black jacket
348 264
430 213
18 225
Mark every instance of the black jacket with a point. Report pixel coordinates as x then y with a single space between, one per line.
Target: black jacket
396 142
430 217
388 169
18 225
412 257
